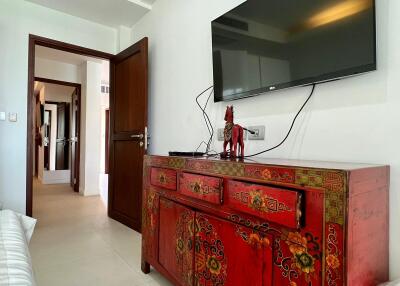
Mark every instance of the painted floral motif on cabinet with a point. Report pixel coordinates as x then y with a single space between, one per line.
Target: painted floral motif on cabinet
150 221
254 239
274 174
164 178
210 259
334 255
297 259
275 205
201 187
184 246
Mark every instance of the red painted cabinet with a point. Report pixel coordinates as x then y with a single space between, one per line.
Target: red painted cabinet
176 241
229 254
210 222
201 187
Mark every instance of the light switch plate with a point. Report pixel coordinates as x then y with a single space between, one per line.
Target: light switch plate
259 133
12 117
2 116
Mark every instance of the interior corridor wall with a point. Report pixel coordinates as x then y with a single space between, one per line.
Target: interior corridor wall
18 19
91 129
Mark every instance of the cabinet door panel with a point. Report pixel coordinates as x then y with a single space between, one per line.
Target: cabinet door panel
298 253
228 254
176 240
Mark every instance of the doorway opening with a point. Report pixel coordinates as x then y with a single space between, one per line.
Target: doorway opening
127 117
57 131
69 88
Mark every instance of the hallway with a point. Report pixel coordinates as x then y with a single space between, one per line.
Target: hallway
74 239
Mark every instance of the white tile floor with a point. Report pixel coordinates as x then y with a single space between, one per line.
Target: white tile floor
75 243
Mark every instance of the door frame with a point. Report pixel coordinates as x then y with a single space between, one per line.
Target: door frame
57 45
78 88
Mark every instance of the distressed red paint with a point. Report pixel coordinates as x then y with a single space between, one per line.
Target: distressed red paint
201 187
163 178
240 241
280 206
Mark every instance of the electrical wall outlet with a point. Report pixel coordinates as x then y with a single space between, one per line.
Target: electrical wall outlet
220 134
259 132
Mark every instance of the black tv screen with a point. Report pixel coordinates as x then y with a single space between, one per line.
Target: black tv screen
266 45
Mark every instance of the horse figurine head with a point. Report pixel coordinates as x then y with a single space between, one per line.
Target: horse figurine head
229 114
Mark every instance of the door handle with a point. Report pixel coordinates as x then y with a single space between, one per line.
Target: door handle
140 136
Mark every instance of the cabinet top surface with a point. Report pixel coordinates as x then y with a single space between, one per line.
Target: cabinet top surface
287 162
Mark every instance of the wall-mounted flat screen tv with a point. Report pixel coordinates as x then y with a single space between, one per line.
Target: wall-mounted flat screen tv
266 45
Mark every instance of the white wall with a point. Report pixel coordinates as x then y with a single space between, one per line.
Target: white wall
17 20
105 104
354 119
91 129
50 69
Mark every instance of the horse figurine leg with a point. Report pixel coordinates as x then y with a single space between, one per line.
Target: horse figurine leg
235 137
225 144
241 142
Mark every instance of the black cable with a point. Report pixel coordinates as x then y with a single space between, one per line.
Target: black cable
206 118
291 127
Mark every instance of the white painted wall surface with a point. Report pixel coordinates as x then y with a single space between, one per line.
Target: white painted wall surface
124 38
355 119
50 69
91 131
17 20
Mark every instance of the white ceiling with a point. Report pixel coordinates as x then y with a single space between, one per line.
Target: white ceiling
111 13
61 56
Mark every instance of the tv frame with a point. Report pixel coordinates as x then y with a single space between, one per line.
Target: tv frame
327 77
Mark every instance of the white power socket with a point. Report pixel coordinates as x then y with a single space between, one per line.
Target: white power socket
221 137
259 132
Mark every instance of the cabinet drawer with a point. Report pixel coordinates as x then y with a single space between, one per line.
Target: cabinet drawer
163 178
276 205
201 187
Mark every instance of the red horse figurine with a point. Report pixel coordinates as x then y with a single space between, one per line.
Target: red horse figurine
233 134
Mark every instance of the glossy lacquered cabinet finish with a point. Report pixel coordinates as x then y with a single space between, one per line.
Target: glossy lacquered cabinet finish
205 188
266 223
277 205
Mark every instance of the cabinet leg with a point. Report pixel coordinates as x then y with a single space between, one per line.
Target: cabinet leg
145 267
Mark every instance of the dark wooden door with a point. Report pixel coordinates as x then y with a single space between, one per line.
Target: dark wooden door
229 254
176 241
62 147
128 143
38 137
74 139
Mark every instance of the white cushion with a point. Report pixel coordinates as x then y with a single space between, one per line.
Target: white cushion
393 283
15 261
